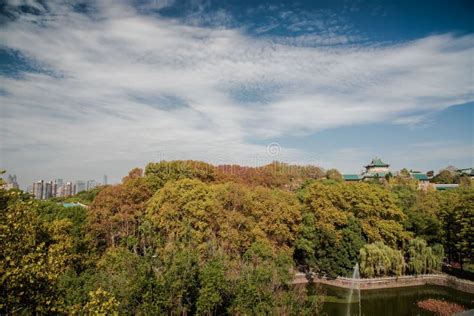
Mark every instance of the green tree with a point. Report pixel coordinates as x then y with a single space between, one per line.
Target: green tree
457 217
158 174
444 176
423 216
214 292
378 260
421 258
101 302
115 216
334 174
173 285
345 217
185 211
121 273
261 280
34 255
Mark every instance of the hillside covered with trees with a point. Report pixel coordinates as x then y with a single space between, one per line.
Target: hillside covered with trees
186 237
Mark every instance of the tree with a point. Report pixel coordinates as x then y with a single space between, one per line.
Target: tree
274 175
444 176
121 273
34 255
193 211
421 259
173 285
321 250
262 279
185 211
158 174
457 217
334 174
214 290
464 221
378 260
465 181
340 218
373 205
115 215
423 216
100 303
405 191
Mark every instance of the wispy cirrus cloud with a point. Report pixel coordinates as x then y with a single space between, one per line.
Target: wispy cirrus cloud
113 87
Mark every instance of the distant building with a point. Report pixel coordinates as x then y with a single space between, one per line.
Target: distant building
55 190
467 171
73 204
444 186
68 189
423 179
48 190
64 190
352 177
91 184
105 180
374 170
38 189
80 186
10 183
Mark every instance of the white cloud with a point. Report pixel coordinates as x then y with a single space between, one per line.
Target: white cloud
102 100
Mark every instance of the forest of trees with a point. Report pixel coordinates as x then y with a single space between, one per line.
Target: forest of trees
186 237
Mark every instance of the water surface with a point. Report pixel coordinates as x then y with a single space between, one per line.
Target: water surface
391 302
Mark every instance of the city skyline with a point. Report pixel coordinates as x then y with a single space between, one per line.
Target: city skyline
44 189
82 185
100 88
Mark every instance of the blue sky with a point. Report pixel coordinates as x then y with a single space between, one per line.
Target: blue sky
101 87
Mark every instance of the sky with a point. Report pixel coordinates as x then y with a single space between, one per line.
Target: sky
99 87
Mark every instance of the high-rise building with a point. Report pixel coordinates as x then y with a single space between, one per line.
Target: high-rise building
91 184
38 189
55 190
105 180
48 190
80 186
60 190
10 183
57 187
68 189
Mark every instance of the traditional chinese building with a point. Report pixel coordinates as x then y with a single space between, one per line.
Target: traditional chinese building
374 170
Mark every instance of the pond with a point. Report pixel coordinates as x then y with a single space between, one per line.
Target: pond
391 302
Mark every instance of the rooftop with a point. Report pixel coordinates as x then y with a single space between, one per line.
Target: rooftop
419 176
351 177
377 162
468 171
73 204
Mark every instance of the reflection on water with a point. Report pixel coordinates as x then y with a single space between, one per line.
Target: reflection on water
392 302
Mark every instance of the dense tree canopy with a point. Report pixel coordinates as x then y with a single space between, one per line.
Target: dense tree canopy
187 237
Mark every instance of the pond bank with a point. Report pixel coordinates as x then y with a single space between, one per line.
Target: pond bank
394 282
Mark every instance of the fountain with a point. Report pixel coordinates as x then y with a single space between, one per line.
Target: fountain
355 278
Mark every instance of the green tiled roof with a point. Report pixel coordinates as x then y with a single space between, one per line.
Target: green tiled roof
420 176
377 162
349 177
